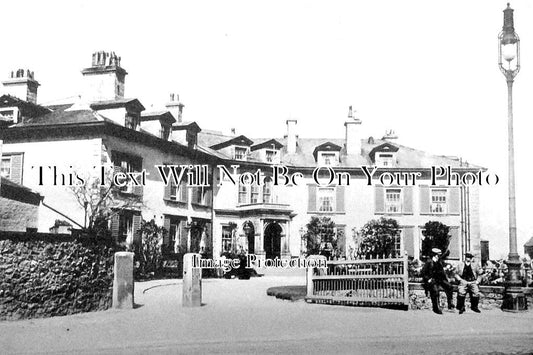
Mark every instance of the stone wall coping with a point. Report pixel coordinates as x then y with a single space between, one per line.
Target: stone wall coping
413 286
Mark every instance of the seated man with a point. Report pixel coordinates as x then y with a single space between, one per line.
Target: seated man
468 274
434 276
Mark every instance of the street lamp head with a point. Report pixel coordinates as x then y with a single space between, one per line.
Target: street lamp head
509 46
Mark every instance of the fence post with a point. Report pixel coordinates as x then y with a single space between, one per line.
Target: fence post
406 279
310 270
123 285
192 281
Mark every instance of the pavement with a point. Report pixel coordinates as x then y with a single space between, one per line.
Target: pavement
237 317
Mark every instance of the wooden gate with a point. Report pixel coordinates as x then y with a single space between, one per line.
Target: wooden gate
368 282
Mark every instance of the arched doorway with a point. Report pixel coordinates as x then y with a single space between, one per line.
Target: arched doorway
272 241
249 233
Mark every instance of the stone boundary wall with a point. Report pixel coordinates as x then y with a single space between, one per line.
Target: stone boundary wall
491 297
44 275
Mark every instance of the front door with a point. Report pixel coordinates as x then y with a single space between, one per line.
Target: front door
272 244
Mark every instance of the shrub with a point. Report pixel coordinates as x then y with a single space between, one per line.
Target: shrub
436 235
378 238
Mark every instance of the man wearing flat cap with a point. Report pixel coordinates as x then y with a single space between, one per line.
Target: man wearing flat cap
468 275
434 277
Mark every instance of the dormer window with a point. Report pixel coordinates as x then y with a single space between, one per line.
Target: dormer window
267 151
164 133
271 156
132 121
9 115
384 155
240 153
327 154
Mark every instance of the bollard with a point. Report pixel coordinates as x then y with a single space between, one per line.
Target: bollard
123 285
192 281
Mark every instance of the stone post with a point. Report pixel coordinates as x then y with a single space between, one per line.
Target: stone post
310 272
192 281
123 285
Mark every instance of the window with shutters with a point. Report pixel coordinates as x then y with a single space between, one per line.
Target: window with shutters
439 201
326 199
254 195
226 238
174 191
5 167
393 200
243 193
267 190
11 167
127 163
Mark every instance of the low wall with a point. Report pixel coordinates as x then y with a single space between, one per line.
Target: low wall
44 275
491 297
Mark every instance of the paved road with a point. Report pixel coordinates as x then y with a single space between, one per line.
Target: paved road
238 317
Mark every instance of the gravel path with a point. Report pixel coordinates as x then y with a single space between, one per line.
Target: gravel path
238 317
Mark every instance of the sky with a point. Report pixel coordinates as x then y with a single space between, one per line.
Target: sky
427 69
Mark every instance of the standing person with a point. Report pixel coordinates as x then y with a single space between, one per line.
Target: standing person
468 275
434 276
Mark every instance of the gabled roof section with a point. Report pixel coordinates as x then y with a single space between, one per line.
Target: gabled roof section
326 147
62 117
164 116
193 126
383 148
271 143
27 109
240 140
130 104
529 243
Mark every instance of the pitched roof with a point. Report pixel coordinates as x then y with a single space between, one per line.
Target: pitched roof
529 243
17 192
157 115
240 140
108 104
27 108
63 116
407 157
267 144
186 125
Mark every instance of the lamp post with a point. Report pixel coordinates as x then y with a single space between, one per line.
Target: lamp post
509 63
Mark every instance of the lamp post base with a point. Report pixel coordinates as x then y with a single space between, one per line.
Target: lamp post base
514 299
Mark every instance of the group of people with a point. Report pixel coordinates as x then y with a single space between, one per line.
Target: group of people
468 274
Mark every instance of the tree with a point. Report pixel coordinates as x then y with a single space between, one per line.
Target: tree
101 202
378 238
436 235
150 251
320 237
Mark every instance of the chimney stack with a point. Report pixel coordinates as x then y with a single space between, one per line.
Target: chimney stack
175 107
22 84
353 133
292 138
105 79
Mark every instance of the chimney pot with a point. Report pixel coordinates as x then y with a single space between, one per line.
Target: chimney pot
292 137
